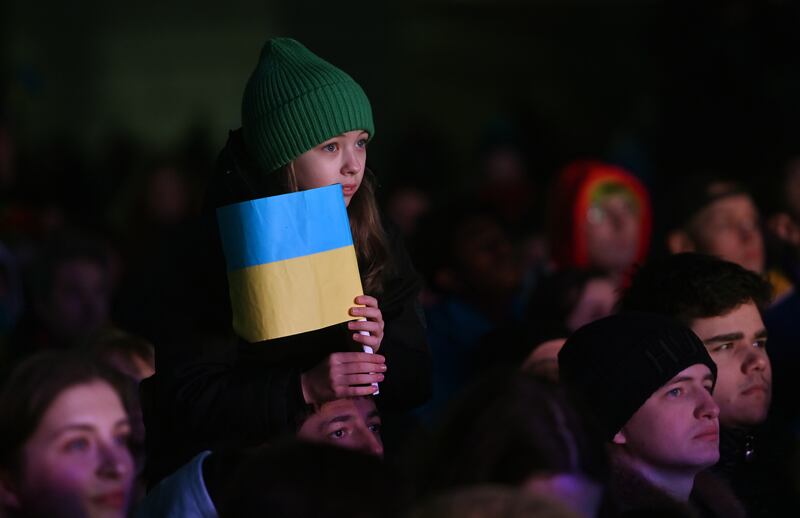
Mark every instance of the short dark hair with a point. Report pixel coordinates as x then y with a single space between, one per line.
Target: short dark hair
33 386
688 286
504 429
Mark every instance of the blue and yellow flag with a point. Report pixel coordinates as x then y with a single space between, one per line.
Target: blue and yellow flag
291 263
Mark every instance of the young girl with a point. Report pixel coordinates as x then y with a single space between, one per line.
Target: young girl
65 438
305 124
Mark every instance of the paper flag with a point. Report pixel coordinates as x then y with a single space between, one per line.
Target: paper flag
291 263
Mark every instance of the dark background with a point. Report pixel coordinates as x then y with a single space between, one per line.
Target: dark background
663 87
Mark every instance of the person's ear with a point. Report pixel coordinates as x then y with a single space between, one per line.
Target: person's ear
678 241
620 438
8 492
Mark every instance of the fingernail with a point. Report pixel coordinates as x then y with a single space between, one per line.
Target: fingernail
380 377
383 367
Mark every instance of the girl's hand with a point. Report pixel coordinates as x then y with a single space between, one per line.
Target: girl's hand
373 325
342 375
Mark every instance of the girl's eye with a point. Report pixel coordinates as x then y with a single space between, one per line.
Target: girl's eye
77 445
329 147
375 428
362 143
761 344
675 392
337 434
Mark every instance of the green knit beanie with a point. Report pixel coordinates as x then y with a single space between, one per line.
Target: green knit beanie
294 101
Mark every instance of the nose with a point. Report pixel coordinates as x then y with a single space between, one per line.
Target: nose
370 442
748 231
756 360
706 408
352 162
114 462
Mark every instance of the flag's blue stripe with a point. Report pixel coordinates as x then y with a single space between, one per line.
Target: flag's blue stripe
284 227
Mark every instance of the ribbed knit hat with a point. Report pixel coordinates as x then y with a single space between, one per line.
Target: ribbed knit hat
616 363
295 100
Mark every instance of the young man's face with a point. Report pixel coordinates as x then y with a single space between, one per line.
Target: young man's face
677 428
351 423
736 342
729 228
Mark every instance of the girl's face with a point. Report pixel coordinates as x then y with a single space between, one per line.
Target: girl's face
77 462
340 159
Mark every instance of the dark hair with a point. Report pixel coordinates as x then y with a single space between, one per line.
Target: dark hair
116 341
556 297
33 386
507 428
688 286
298 479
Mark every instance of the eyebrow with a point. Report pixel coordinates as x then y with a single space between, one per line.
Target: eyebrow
729 337
732 337
374 413
83 427
707 377
338 419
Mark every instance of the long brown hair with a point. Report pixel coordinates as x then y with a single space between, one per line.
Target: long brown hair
369 237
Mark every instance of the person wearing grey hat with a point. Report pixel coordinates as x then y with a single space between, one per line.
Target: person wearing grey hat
647 380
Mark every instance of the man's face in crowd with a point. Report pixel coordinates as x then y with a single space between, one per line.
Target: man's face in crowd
729 229
351 423
677 428
736 342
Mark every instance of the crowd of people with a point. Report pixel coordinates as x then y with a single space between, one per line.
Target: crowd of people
601 351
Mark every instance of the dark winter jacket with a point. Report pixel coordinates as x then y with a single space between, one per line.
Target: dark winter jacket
241 394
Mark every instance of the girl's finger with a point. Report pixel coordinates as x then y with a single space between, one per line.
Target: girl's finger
366 300
366 390
341 358
362 379
360 368
372 341
370 313
371 327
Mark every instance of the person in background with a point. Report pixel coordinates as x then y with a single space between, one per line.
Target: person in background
599 217
647 381
65 439
722 302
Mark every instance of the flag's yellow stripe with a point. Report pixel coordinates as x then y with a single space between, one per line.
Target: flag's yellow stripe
296 295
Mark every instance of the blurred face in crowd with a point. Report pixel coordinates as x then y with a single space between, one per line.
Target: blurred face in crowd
79 299
487 262
352 423
613 232
737 342
579 493
596 301
543 361
677 428
340 159
729 228
77 462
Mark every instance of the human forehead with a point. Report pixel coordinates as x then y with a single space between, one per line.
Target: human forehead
697 373
93 404
744 318
731 205
346 406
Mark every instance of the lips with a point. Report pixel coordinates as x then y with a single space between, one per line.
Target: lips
349 189
710 433
758 388
112 499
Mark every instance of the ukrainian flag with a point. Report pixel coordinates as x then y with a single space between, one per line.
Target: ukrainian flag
291 263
